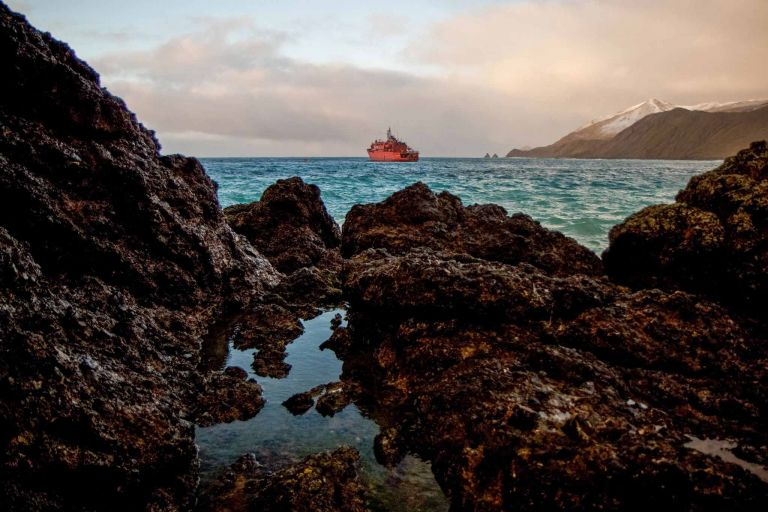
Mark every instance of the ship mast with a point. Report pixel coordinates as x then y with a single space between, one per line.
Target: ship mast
389 133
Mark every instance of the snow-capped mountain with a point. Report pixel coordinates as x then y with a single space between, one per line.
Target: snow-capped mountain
730 106
657 129
608 126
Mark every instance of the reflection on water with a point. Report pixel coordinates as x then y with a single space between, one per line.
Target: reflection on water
279 438
722 449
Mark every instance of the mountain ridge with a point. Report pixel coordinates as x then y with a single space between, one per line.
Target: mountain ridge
703 131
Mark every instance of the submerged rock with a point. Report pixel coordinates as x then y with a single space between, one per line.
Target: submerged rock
324 482
333 400
302 402
415 217
713 240
227 397
113 260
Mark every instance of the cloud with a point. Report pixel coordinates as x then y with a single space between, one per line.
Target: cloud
598 55
501 76
226 83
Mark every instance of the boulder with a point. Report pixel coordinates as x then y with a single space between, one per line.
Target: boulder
416 217
227 397
713 240
289 225
527 391
530 384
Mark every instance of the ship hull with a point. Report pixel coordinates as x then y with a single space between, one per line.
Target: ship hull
392 156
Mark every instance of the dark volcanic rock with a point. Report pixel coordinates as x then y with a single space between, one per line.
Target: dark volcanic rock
292 228
227 397
302 402
299 403
113 260
529 387
529 392
333 400
713 240
270 362
448 286
415 217
309 288
289 225
324 482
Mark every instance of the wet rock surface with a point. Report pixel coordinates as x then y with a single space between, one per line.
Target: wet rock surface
324 482
302 402
292 228
333 400
529 387
713 240
113 260
227 397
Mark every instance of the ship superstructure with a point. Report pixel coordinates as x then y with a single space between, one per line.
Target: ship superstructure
392 150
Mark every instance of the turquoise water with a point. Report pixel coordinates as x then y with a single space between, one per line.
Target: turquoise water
581 198
278 438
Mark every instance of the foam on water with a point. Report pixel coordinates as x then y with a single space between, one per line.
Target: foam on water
581 198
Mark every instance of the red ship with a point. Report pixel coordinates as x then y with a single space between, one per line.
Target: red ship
392 150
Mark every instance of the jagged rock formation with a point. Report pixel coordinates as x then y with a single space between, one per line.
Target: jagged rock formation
713 240
289 225
482 342
324 482
533 386
113 260
292 228
417 217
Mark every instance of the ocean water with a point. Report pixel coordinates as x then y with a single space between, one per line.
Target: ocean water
581 198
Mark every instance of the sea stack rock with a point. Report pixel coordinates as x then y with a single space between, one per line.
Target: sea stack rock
113 259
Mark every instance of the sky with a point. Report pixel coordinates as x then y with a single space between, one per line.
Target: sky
451 77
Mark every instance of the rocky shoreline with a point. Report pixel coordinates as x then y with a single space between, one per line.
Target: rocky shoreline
530 372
